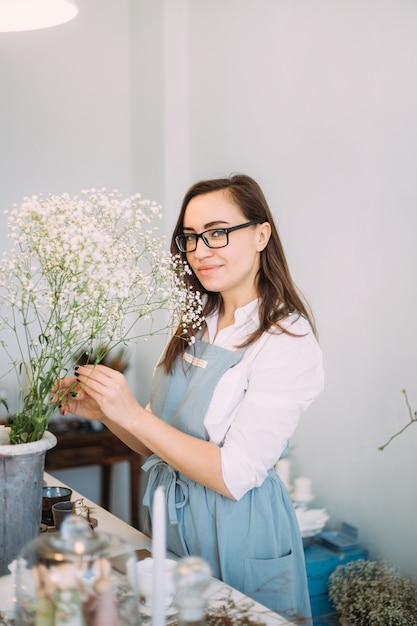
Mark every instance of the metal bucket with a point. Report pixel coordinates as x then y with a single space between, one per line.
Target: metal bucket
21 482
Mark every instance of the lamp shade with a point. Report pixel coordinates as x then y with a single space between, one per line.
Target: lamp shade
18 15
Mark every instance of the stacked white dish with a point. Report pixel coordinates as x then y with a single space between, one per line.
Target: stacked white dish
311 522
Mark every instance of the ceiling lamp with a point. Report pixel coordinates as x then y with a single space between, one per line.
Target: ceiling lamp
17 15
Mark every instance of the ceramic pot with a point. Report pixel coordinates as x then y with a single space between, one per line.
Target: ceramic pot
344 622
21 482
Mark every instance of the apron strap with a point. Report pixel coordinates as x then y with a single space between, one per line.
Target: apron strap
160 473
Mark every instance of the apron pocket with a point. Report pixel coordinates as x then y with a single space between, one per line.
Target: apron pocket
271 582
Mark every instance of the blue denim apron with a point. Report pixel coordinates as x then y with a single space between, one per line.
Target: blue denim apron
253 544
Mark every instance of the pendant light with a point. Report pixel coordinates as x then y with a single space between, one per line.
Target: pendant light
18 15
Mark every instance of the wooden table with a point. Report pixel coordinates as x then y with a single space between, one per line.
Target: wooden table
82 446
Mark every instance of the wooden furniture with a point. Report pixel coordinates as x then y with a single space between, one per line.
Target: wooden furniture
321 561
79 445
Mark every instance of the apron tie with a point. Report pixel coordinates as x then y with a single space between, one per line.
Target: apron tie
160 473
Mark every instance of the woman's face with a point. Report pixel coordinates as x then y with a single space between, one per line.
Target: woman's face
230 270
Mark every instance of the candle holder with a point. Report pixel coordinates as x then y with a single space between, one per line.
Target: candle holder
75 577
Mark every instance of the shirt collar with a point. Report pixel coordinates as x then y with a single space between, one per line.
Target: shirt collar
248 312
245 316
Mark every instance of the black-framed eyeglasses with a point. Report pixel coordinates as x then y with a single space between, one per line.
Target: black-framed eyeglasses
213 238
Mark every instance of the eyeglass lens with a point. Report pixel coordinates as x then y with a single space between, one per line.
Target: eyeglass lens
216 238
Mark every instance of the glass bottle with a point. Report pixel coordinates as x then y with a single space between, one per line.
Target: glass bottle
192 577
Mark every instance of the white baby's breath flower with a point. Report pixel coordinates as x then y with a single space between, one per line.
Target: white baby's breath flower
82 272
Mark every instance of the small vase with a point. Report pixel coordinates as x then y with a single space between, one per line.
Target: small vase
21 482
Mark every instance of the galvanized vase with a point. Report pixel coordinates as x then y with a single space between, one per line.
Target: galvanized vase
21 482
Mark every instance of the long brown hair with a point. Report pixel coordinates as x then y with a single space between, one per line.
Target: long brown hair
277 292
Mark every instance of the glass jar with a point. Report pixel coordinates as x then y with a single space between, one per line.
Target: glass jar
76 577
192 577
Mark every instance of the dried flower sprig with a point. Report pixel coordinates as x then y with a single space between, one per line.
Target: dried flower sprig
413 419
225 610
373 593
83 271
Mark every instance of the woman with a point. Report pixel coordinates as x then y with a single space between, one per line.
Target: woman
223 408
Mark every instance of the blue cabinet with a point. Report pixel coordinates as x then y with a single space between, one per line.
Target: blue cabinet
320 563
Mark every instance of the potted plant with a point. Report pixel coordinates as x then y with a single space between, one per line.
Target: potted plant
373 593
83 272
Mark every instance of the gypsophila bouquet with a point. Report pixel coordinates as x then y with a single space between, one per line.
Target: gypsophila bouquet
83 271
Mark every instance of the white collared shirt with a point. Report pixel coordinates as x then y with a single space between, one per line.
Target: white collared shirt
256 405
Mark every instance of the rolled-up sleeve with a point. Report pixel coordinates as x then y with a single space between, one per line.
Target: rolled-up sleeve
265 396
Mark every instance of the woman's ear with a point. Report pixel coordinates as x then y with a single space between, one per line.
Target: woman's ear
264 233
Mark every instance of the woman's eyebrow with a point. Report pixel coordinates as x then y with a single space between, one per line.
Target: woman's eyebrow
208 225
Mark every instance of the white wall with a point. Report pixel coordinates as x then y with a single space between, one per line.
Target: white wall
65 125
316 100
66 106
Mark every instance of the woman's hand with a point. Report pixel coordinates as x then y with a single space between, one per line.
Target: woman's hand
69 398
94 392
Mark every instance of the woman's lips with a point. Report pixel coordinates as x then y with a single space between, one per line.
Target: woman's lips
207 269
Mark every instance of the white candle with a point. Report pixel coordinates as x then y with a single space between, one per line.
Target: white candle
158 554
302 489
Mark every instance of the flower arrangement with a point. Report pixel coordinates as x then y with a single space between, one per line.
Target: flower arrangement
83 272
373 593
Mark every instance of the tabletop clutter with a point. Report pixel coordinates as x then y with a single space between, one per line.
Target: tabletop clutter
79 576
311 521
75 575
57 505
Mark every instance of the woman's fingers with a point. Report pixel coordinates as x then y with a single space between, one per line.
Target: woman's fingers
70 397
109 389
100 380
62 387
79 403
62 383
95 391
